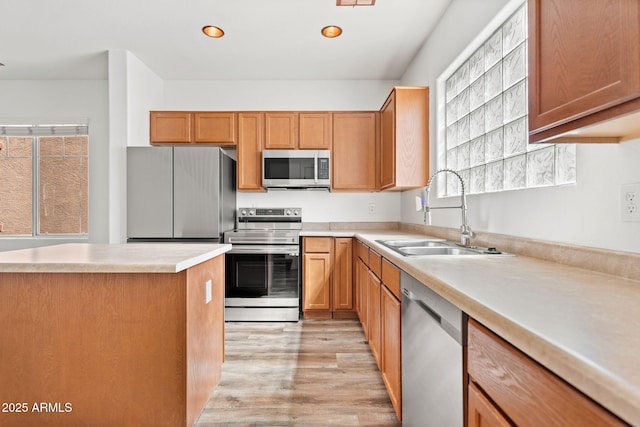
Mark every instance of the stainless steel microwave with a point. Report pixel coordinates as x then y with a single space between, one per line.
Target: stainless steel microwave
296 169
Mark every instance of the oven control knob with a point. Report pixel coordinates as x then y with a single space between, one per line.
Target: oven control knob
243 212
287 212
252 211
296 212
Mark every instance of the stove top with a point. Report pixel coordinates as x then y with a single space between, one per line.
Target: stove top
273 226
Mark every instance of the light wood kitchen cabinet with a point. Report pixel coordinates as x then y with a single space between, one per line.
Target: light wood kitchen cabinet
177 127
354 153
249 151
404 139
391 312
379 308
482 413
373 316
281 130
327 285
584 68
521 389
316 260
342 275
170 127
316 130
215 127
362 294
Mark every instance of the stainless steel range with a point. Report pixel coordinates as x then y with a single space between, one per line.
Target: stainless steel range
263 266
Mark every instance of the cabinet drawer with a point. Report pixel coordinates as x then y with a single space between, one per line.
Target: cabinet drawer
391 277
363 252
375 263
528 393
317 244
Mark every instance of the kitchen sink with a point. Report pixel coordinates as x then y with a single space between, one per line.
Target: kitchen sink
442 250
413 242
429 247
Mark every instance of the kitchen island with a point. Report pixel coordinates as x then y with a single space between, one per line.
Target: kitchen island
98 334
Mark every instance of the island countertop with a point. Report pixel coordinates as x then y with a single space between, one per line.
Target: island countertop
110 258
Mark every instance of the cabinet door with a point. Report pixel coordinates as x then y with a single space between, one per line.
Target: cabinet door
316 131
170 127
581 59
404 140
388 143
353 153
374 335
524 390
391 311
249 151
342 274
317 281
219 128
281 130
363 297
481 412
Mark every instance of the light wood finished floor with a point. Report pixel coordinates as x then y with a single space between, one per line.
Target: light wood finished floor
310 373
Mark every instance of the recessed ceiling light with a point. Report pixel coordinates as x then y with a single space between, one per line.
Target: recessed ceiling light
355 2
213 31
331 31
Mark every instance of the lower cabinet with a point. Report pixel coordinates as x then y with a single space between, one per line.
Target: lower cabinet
507 387
379 309
327 281
390 321
373 307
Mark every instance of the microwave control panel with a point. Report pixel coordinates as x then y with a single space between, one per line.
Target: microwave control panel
323 168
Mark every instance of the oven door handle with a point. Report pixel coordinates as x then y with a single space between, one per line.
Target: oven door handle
276 250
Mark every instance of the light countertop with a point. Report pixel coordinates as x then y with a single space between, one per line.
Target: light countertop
110 258
580 324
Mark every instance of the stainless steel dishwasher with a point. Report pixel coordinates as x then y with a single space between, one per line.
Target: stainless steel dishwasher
434 332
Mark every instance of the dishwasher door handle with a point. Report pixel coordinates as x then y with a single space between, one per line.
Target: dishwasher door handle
454 332
422 305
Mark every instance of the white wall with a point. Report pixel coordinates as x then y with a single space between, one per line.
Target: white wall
63 100
239 95
133 90
587 213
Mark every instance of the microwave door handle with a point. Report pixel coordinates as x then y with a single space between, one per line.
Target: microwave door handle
315 167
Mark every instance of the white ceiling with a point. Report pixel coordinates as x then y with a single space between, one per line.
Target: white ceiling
265 39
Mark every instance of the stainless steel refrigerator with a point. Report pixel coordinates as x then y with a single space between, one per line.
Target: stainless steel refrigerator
180 193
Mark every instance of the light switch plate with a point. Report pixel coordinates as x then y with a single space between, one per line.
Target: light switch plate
207 292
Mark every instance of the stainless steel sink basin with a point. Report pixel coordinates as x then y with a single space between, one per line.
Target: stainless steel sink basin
413 242
442 250
420 247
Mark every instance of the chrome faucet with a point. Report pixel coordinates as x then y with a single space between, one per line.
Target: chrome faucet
465 231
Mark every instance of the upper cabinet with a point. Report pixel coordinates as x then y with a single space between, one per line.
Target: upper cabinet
249 151
170 127
215 127
281 130
294 130
354 155
174 127
315 131
404 139
584 70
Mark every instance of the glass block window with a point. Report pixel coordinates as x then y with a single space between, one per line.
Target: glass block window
485 121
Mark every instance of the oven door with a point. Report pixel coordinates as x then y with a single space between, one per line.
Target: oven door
263 275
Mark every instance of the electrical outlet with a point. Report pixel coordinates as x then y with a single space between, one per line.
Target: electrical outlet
630 202
372 208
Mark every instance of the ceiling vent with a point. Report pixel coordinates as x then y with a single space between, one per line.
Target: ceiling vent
355 2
